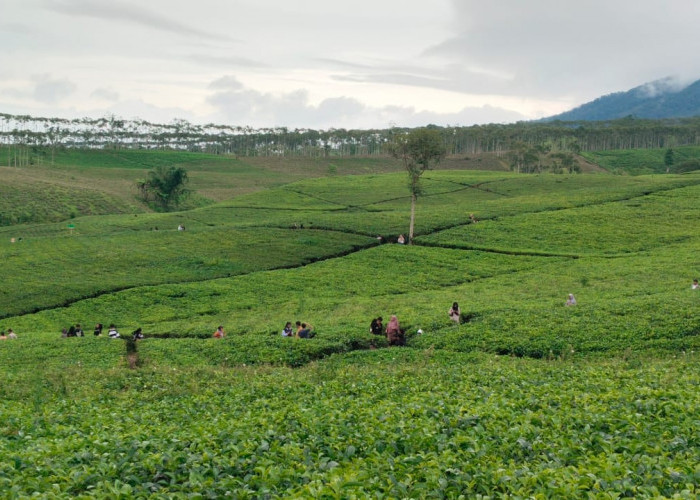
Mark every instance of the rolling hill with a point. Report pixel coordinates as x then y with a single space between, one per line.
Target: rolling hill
663 98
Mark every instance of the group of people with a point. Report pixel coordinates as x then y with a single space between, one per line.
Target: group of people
73 331
11 335
300 330
394 334
112 332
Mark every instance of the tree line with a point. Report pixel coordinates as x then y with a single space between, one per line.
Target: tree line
46 134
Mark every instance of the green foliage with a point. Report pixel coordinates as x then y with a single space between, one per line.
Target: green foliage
165 186
387 423
686 166
527 398
641 161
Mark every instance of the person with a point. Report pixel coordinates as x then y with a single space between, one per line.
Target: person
113 333
64 333
98 329
394 335
454 313
79 331
571 301
287 330
2 335
180 227
376 327
11 334
138 334
695 285
305 332
401 240
219 333
71 331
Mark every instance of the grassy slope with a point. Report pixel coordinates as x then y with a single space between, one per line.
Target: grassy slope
640 161
417 422
557 228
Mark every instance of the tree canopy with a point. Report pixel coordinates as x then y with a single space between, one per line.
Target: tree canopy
419 150
165 187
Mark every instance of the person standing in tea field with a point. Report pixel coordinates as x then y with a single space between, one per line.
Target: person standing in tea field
454 313
394 335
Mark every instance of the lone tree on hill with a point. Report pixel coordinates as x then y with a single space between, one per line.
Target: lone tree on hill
165 187
418 149
668 159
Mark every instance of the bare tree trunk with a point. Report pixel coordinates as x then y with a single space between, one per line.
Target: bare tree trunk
413 216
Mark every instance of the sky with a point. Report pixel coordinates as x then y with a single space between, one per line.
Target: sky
327 64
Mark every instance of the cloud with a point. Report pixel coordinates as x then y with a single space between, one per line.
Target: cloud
105 95
50 91
227 60
226 83
122 11
556 49
241 106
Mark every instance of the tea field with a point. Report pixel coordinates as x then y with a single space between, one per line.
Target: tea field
526 398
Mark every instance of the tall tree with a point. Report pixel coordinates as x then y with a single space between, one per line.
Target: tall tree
418 149
668 159
165 186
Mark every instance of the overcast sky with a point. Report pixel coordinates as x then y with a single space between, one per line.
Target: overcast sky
329 64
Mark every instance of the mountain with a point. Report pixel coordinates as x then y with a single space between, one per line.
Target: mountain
664 98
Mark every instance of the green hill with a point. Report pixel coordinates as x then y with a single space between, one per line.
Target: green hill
526 398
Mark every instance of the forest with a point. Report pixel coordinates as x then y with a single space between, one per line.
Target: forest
42 136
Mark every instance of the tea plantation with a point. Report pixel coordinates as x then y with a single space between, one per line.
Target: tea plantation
526 398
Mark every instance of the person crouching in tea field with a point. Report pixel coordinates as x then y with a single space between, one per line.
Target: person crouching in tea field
98 330
219 333
376 327
305 332
571 300
287 330
113 333
138 334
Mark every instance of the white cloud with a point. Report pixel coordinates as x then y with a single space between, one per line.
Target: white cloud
243 106
105 95
51 91
307 63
